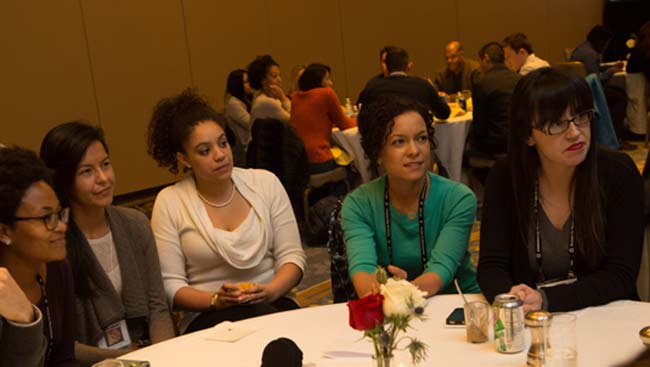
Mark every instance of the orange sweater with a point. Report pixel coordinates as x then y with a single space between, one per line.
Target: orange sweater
313 114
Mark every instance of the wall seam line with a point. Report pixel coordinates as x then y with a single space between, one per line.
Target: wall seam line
187 43
345 60
90 63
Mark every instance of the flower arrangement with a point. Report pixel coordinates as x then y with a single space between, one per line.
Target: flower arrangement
382 316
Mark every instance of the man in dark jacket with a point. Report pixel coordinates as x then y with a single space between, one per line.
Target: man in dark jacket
400 82
491 97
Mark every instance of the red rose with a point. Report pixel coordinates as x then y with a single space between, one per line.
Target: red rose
366 313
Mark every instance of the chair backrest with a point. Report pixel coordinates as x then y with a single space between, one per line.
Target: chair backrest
335 175
342 287
276 147
605 134
575 67
567 53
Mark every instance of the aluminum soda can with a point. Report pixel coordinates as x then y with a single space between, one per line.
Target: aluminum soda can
508 323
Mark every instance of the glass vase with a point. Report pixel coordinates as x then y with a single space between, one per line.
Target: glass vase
384 361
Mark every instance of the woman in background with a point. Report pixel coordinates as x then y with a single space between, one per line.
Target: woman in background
111 249
270 101
410 220
315 111
227 237
563 220
238 104
33 251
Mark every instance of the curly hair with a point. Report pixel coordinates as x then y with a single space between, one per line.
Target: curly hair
62 150
19 169
172 122
258 69
376 121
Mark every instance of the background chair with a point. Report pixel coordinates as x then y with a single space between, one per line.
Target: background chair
342 287
605 127
276 147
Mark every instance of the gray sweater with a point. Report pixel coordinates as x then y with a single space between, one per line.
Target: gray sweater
142 302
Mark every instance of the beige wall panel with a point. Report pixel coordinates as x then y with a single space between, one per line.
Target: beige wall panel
223 36
571 21
483 21
45 75
421 27
139 55
303 32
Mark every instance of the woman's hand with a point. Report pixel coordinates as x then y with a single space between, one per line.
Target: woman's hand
532 298
258 293
14 305
397 272
230 294
275 91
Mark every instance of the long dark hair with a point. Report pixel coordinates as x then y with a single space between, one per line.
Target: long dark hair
540 97
235 87
62 150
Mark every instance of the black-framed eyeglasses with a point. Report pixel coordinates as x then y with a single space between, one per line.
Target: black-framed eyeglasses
51 221
581 119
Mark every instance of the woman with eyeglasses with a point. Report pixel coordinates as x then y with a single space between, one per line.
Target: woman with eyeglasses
33 252
562 221
120 300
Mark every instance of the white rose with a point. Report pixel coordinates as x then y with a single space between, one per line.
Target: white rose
397 296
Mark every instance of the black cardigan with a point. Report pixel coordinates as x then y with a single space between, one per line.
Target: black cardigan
503 260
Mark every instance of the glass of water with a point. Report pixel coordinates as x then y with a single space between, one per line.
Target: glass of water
562 350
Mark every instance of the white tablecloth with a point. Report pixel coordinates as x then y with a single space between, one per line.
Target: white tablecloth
450 136
607 336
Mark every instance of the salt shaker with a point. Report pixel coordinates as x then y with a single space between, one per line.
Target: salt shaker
538 323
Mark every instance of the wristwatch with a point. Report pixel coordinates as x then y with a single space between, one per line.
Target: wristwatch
214 300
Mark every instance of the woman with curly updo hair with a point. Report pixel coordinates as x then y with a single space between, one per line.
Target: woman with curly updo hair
410 220
269 100
227 238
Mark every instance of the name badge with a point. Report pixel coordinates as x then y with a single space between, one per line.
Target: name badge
555 283
116 336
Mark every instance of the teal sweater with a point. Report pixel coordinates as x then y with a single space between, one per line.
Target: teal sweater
449 212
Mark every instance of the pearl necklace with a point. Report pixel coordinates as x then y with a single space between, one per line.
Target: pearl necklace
218 205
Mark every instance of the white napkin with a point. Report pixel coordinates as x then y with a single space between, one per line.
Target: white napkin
229 332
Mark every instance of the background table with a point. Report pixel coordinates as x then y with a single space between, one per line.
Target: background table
607 336
450 136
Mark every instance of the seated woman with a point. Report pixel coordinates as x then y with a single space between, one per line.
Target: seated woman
32 249
315 111
227 238
238 104
269 101
410 220
562 222
111 249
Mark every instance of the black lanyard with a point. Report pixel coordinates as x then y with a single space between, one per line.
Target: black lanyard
389 241
48 318
539 256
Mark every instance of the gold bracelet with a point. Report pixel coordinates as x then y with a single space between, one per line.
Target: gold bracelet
214 300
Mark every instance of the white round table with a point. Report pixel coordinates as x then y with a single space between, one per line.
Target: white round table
607 335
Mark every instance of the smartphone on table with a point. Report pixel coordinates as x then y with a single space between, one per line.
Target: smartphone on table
456 318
